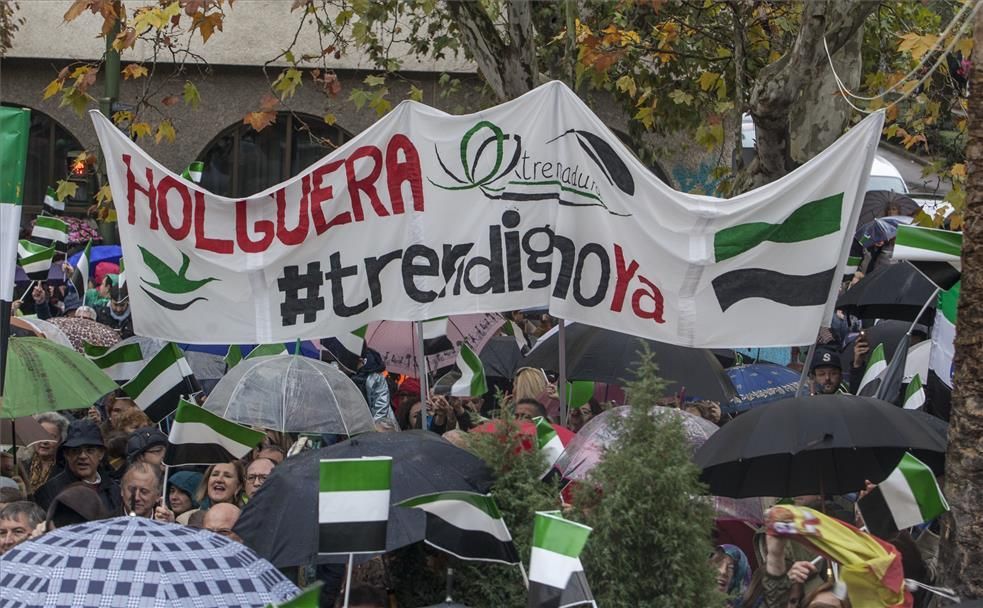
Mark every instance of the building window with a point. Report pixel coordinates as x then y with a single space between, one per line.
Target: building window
241 162
51 148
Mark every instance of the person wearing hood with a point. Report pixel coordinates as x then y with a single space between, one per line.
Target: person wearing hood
115 312
83 451
148 445
373 384
77 503
181 488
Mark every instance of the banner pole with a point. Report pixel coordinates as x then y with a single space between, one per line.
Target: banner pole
924 308
562 364
805 370
421 360
348 578
5 308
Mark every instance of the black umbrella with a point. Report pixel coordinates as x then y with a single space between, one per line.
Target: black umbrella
280 521
608 356
891 291
876 203
827 444
501 357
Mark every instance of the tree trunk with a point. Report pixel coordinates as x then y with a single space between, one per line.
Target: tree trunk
508 65
962 541
820 115
781 83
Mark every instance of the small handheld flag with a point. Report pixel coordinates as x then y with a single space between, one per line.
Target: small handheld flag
35 259
158 386
873 375
194 171
472 382
934 253
201 437
51 200
548 442
909 496
80 276
467 525
555 560
121 362
50 230
353 505
914 395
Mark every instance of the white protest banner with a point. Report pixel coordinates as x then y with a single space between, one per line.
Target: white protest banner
530 203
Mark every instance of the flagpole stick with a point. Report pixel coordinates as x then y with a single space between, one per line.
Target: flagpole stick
562 364
30 286
421 361
805 370
525 578
348 578
167 472
924 308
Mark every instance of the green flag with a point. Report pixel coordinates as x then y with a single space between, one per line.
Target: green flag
15 125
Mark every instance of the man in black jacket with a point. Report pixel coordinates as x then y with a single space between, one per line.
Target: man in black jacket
83 452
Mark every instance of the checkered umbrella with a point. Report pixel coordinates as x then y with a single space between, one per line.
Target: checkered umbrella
134 561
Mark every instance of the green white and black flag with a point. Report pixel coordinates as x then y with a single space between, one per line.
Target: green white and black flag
934 253
353 505
467 525
914 395
50 230
548 442
158 386
121 362
35 259
472 381
874 373
555 562
80 275
51 200
201 437
194 171
908 497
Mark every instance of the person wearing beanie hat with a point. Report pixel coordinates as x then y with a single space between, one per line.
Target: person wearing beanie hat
825 371
146 445
83 451
181 488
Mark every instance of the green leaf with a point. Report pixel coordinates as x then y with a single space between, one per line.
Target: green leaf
191 96
416 94
626 84
374 81
288 81
681 97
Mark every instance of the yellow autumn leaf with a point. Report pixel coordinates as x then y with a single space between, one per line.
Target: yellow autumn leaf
708 80
134 71
52 89
330 119
140 130
917 44
66 189
626 84
165 131
958 170
105 195
965 46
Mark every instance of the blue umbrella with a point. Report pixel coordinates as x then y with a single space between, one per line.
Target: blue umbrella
134 561
758 384
880 230
99 253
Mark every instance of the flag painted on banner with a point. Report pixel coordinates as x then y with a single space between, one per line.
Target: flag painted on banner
534 203
467 525
555 558
353 505
201 437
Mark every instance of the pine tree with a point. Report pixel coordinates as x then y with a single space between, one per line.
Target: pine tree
652 534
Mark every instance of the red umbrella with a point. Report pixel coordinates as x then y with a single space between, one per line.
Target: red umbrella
526 428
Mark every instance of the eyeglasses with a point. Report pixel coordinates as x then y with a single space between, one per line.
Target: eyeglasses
256 478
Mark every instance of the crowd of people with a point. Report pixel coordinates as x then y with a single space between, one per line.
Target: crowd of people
106 461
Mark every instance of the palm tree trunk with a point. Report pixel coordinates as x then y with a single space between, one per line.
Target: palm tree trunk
962 541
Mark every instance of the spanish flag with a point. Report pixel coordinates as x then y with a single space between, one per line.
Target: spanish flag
870 567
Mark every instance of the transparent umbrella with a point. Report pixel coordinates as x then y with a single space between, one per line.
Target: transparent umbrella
291 394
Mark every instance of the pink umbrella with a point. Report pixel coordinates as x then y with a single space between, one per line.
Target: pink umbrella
397 341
